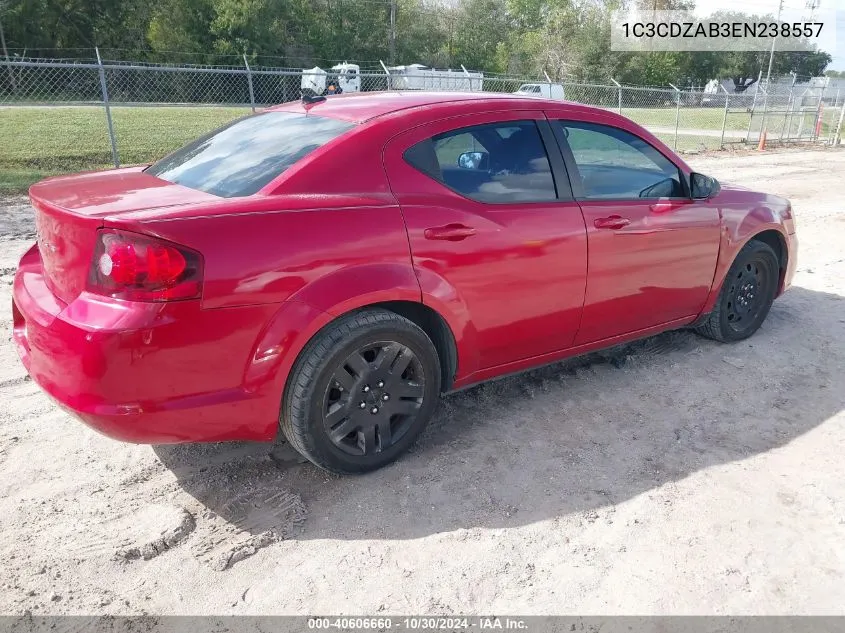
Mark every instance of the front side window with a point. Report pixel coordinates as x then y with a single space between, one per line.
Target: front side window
496 163
614 164
245 155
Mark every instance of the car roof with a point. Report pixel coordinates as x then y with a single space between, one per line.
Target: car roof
358 107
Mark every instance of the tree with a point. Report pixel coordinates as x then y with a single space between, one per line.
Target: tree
652 69
43 26
183 26
664 5
478 29
745 67
803 63
564 38
422 34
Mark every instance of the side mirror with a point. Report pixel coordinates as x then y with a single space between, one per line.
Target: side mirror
703 187
473 160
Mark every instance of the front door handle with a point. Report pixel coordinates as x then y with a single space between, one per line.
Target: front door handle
664 207
450 232
611 222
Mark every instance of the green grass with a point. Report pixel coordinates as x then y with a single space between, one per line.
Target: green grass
36 142
18 179
703 118
738 119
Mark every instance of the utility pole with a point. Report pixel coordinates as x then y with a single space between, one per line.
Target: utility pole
391 54
451 21
763 128
3 41
6 56
772 54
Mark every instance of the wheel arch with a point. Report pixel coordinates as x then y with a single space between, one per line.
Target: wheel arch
777 241
425 317
425 299
436 328
771 234
296 324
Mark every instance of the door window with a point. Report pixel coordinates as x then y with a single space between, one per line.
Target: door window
616 165
495 163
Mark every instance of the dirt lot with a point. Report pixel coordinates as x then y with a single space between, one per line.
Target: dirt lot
693 478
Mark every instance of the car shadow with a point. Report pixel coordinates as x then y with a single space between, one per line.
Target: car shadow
573 437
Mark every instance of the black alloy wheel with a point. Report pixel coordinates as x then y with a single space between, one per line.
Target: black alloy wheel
361 391
746 296
373 398
746 293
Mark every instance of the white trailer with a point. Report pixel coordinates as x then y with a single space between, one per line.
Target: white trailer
420 77
549 91
313 81
342 78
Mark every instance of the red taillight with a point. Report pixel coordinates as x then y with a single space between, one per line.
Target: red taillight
140 268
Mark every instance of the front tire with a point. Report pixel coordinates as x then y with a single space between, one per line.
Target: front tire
361 392
747 294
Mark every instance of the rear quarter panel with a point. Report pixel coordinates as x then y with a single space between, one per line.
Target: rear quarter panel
273 255
310 249
331 212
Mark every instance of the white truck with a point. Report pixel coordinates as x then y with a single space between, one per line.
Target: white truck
547 90
420 77
342 78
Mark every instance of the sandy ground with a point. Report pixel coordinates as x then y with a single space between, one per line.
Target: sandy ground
694 478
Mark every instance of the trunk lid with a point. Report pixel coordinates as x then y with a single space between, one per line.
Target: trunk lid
70 209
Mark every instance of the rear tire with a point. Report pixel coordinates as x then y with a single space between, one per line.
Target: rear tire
747 294
361 392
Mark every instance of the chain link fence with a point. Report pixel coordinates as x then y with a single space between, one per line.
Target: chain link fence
64 116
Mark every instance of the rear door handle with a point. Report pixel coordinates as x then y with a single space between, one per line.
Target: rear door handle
611 222
450 232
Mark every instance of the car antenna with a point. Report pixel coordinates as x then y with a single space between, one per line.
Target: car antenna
308 99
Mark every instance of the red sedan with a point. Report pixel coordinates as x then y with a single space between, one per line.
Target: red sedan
330 267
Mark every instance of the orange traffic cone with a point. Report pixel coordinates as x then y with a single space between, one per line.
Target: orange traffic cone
762 144
819 120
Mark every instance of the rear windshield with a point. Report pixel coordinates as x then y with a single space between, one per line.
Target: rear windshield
242 157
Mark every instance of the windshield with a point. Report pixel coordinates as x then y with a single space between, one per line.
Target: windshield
242 157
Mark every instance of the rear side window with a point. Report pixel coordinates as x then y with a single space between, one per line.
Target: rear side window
242 157
496 163
616 165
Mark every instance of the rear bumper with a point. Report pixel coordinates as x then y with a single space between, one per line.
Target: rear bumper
145 372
